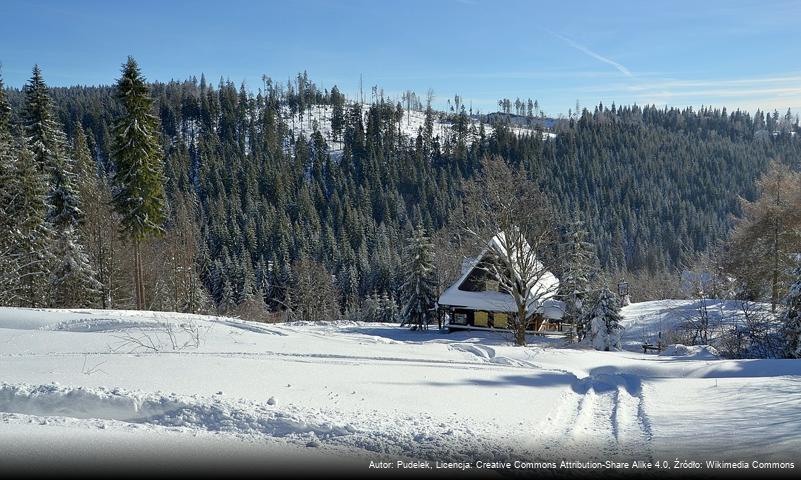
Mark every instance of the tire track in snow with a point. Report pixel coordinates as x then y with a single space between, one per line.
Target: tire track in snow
603 417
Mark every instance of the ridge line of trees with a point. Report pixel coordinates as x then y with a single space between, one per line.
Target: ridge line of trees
249 204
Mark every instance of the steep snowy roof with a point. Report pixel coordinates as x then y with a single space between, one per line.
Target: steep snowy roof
543 303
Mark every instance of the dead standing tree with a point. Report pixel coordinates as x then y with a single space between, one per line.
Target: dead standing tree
503 205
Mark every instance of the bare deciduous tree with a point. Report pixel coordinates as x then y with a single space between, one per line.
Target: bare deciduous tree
502 204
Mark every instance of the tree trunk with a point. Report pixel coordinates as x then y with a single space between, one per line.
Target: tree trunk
138 281
774 294
520 331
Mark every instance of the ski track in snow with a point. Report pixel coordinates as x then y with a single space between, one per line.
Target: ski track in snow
602 416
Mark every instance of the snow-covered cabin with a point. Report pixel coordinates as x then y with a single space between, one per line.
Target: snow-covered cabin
476 300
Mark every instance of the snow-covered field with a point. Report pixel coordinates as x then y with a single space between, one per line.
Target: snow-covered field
90 386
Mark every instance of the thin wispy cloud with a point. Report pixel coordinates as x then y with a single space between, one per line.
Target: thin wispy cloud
684 84
777 91
738 93
622 69
521 75
689 85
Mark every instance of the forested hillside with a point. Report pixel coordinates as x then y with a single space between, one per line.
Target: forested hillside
253 206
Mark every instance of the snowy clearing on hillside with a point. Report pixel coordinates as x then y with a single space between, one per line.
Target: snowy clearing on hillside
319 118
125 384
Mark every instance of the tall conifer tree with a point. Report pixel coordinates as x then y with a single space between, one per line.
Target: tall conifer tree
74 279
71 276
581 265
31 236
419 288
6 163
8 269
139 178
43 134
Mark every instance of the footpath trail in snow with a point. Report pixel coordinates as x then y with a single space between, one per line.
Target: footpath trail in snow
373 391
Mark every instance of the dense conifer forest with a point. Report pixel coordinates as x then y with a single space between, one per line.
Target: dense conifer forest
255 204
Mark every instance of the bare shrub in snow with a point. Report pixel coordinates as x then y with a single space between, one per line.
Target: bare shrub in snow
677 335
91 370
705 281
761 331
733 342
164 338
699 325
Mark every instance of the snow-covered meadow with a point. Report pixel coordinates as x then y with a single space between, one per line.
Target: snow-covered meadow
90 385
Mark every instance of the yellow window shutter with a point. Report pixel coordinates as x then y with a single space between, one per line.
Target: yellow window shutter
501 320
480 319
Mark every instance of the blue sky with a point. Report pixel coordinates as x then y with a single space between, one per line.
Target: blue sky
741 54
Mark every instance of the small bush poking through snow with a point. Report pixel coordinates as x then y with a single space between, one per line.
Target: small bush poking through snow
605 318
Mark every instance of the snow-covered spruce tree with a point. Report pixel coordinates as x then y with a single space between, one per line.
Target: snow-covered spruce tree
370 310
604 327
337 113
8 267
389 309
139 179
792 318
72 278
87 181
39 157
313 297
348 285
30 239
581 266
43 135
97 219
227 302
419 287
